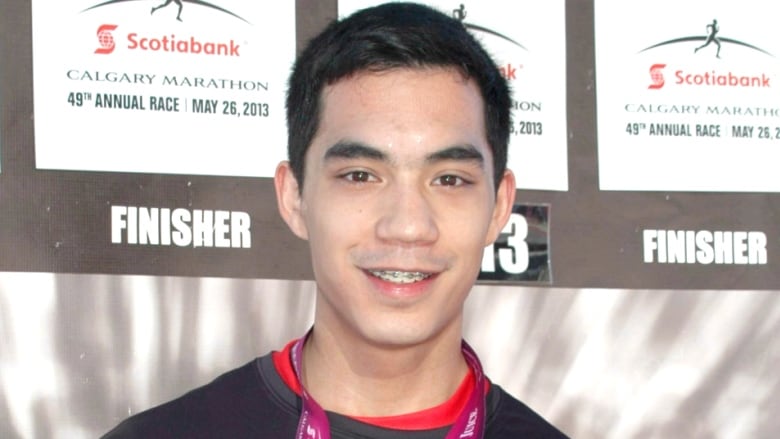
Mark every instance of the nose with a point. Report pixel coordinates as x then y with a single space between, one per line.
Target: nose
408 216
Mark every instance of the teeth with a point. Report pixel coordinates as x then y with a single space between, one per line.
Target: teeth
401 277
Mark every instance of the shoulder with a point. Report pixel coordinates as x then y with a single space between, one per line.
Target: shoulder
226 405
510 418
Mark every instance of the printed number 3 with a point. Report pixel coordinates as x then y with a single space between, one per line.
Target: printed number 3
514 259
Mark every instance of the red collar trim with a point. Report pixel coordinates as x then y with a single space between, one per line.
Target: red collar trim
440 416
283 365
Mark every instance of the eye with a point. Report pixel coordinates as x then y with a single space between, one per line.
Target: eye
358 177
449 180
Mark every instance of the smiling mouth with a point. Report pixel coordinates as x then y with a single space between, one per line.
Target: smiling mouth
400 277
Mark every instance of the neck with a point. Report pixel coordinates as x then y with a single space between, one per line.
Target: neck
355 378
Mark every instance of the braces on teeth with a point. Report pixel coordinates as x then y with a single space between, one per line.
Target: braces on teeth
403 277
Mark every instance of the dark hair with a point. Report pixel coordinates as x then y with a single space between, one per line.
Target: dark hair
385 37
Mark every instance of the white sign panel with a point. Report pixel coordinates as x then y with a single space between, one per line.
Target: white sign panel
688 95
528 40
162 86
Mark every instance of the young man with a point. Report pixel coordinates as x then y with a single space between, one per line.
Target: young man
398 131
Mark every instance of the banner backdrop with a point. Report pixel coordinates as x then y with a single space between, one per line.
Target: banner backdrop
634 293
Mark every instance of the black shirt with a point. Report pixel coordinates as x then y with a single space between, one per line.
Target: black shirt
254 402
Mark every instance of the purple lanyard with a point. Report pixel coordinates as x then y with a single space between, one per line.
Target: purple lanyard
469 424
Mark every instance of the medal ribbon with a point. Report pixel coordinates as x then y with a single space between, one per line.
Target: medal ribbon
470 423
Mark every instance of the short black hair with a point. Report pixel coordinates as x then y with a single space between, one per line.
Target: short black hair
386 37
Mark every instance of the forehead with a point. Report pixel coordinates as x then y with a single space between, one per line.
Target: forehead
426 107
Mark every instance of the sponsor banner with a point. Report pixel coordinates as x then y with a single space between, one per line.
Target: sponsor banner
522 251
688 95
528 41
168 86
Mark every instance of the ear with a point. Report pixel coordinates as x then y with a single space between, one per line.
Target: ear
505 199
288 200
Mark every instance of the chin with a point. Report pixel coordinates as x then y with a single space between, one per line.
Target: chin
398 333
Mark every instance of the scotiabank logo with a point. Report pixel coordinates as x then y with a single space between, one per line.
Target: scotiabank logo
707 79
106 39
165 43
657 76
721 79
192 45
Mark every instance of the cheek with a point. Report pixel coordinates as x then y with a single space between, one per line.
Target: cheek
332 223
466 222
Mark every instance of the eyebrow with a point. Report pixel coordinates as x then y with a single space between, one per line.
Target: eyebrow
354 150
466 152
